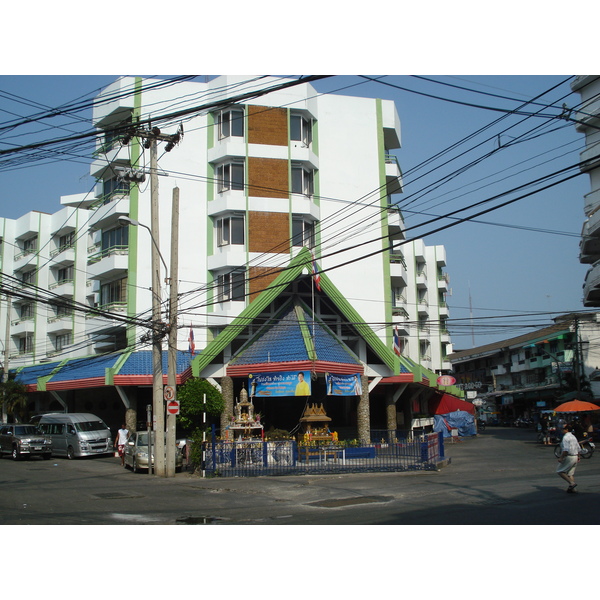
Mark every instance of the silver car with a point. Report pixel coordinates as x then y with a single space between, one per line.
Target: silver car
136 452
24 440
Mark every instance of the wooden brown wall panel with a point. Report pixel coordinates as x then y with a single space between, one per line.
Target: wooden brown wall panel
267 177
267 126
268 232
260 279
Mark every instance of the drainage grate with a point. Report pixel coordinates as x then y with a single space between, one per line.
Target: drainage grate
338 502
116 496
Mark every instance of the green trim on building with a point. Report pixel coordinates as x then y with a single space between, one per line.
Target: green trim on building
385 255
42 381
296 267
134 195
306 333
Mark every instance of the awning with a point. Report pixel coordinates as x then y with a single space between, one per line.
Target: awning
443 404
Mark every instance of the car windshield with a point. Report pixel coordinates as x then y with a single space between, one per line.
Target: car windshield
90 426
26 430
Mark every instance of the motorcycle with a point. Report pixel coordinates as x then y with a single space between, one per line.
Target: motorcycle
587 449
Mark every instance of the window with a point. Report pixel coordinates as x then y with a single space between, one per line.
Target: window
114 292
62 340
30 245
230 230
28 277
303 232
230 122
64 274
300 129
114 186
66 241
118 237
27 311
302 180
230 176
231 286
26 344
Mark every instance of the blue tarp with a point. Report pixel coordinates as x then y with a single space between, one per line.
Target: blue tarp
460 419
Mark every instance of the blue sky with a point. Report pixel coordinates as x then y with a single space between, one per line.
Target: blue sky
518 260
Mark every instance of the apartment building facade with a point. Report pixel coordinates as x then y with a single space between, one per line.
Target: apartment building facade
259 182
588 122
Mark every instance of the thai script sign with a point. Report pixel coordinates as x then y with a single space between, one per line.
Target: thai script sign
288 383
343 385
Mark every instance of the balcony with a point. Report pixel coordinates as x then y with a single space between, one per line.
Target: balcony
393 175
64 287
25 258
591 156
58 325
109 263
20 327
421 278
63 256
591 286
110 156
109 209
443 281
398 270
423 307
591 202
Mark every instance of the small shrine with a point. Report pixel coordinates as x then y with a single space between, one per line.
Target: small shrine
245 423
315 428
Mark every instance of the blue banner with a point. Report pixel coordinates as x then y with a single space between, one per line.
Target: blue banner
290 383
343 385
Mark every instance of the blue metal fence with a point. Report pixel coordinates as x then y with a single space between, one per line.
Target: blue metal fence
253 458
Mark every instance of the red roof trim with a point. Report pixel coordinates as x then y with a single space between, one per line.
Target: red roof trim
318 366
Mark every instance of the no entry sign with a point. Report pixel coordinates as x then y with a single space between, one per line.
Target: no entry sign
173 407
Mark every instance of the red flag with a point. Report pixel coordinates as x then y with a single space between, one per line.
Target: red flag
192 346
396 342
315 272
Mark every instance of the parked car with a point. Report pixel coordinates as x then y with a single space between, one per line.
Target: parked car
24 440
75 434
136 452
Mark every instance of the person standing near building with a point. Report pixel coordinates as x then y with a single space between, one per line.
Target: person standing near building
569 457
120 441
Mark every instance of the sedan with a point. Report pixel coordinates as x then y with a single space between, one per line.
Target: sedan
136 452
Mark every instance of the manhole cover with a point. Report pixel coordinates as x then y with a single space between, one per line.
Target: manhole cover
337 502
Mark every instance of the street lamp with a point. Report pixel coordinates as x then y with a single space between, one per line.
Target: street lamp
157 372
124 221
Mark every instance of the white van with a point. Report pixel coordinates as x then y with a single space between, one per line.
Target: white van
75 434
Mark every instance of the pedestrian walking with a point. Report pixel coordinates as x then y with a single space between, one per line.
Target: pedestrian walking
569 457
120 441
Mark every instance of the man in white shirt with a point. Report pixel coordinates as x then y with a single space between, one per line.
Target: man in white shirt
120 441
569 458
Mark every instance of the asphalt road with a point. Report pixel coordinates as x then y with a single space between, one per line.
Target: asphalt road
501 477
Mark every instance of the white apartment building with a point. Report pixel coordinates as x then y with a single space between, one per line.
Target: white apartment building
588 123
259 180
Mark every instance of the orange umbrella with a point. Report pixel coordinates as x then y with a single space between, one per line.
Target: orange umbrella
576 406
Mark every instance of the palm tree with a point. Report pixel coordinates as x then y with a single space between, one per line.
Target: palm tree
14 399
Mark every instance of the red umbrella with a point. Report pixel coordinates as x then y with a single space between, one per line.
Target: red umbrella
576 406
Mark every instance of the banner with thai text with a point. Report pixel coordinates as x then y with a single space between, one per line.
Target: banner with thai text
289 383
343 385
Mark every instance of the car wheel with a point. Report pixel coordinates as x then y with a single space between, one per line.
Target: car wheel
70 453
16 455
134 466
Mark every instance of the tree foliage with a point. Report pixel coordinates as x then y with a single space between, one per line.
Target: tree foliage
191 398
14 395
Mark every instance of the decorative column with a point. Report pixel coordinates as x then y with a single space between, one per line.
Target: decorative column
363 413
390 412
227 392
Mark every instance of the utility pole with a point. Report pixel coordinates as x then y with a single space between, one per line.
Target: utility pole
157 372
172 351
151 137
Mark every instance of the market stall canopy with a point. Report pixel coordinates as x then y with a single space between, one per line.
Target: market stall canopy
443 404
576 406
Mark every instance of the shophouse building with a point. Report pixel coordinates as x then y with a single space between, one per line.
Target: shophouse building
287 182
519 377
